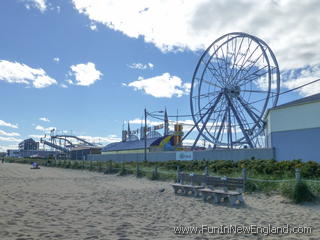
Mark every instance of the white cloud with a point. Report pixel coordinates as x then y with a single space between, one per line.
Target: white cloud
63 85
298 78
85 74
187 124
289 27
56 59
161 86
6 124
69 81
10 139
44 129
6 147
103 140
36 136
40 4
141 66
14 72
138 121
9 134
44 119
93 27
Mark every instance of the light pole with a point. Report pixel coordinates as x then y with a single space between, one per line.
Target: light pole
145 131
145 134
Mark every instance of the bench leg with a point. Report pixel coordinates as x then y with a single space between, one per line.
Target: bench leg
178 190
215 198
195 193
204 196
184 191
232 200
175 189
240 198
190 192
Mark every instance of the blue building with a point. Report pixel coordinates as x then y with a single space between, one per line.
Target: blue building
293 129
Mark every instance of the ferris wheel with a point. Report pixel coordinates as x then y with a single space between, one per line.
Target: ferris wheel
235 81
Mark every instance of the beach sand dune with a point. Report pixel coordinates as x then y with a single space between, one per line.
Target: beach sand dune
53 203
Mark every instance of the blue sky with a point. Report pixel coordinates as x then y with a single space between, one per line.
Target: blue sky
87 66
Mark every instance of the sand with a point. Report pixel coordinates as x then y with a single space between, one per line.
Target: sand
53 203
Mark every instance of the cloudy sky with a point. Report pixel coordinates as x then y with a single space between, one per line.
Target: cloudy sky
89 65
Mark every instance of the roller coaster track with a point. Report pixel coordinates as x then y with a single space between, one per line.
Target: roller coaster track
50 144
72 136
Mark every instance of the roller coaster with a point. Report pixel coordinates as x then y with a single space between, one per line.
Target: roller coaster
64 143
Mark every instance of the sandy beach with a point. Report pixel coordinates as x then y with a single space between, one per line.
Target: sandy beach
53 203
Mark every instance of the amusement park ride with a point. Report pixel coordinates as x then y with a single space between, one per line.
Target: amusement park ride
235 81
65 142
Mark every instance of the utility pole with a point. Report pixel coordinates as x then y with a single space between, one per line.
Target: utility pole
145 134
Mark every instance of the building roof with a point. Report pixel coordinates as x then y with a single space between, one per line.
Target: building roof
28 140
309 99
128 145
84 148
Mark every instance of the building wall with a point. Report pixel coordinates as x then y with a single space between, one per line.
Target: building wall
302 116
29 144
13 153
301 144
29 153
294 132
235 155
125 151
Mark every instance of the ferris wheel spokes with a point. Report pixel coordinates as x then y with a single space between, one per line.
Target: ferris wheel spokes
234 71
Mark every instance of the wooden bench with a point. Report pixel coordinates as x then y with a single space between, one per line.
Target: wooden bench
189 184
221 189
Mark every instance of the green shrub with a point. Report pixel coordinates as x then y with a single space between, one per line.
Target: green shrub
250 187
310 169
75 165
138 171
123 171
67 164
298 192
154 175
287 189
110 168
314 187
302 193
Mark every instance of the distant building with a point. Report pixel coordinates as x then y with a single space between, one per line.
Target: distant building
29 144
81 152
136 146
13 153
153 145
293 129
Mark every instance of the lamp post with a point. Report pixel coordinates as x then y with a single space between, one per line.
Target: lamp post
145 134
145 131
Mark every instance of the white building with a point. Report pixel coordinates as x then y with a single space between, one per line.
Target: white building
293 129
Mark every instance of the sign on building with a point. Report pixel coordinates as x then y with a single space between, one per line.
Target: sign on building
184 156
